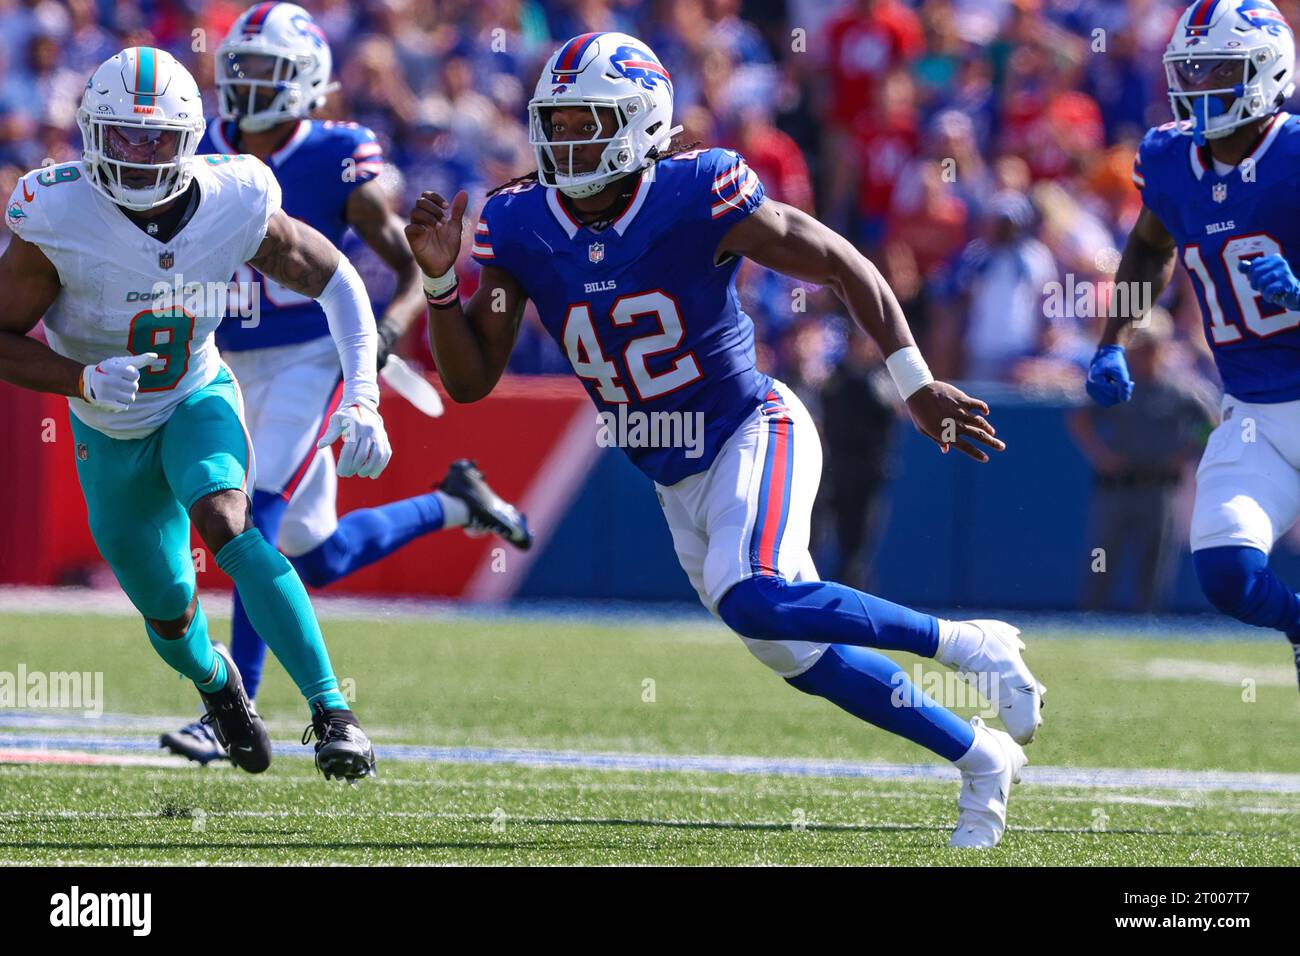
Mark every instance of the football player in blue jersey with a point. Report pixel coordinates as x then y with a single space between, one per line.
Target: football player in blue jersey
629 250
1218 188
272 70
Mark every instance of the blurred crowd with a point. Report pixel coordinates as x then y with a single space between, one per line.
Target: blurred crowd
978 151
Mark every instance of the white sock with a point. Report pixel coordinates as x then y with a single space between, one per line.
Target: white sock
984 756
958 640
455 513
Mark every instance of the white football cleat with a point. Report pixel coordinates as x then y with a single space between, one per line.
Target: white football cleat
1019 695
982 804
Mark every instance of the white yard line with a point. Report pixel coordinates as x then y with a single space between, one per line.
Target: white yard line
45 745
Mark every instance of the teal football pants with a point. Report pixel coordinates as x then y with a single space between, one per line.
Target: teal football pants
139 493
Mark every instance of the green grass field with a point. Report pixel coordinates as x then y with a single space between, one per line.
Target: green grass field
567 685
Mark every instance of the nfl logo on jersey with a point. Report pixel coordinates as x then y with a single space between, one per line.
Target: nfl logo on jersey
596 251
166 259
1220 192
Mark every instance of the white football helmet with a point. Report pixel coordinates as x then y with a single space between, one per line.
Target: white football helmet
141 119
274 65
1229 63
602 70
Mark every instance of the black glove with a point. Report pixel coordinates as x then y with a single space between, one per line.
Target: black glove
388 337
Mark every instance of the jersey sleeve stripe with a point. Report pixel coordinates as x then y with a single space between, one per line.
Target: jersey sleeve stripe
744 183
746 190
366 150
481 251
729 176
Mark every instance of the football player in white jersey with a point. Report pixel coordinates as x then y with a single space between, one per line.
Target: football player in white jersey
118 252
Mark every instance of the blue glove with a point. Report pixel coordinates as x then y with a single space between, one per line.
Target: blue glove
1272 278
1108 378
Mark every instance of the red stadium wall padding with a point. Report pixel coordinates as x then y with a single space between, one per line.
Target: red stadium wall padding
43 533
511 434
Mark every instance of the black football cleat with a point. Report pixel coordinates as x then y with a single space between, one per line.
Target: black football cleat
342 748
488 511
195 742
234 721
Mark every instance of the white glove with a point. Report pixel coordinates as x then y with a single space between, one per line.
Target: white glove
112 383
365 443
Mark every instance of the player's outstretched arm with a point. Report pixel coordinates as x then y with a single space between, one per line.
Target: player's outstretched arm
791 242
380 228
1148 261
471 342
297 256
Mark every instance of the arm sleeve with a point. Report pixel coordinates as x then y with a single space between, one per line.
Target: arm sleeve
352 326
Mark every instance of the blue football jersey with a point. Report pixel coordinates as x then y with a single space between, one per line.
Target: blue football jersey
317 169
649 322
1218 220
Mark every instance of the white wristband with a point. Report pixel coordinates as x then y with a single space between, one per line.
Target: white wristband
908 370
437 287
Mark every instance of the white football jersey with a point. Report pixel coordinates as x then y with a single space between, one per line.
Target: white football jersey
120 284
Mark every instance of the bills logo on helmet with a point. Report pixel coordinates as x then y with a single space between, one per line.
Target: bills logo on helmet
1262 15
640 67
307 27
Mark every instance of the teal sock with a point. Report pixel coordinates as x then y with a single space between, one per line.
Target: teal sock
192 654
280 611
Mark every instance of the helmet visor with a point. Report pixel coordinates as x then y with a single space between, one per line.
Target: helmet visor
250 82
1207 74
138 164
144 154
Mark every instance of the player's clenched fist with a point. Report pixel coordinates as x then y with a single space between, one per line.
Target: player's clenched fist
1108 380
435 230
1272 278
366 450
114 382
